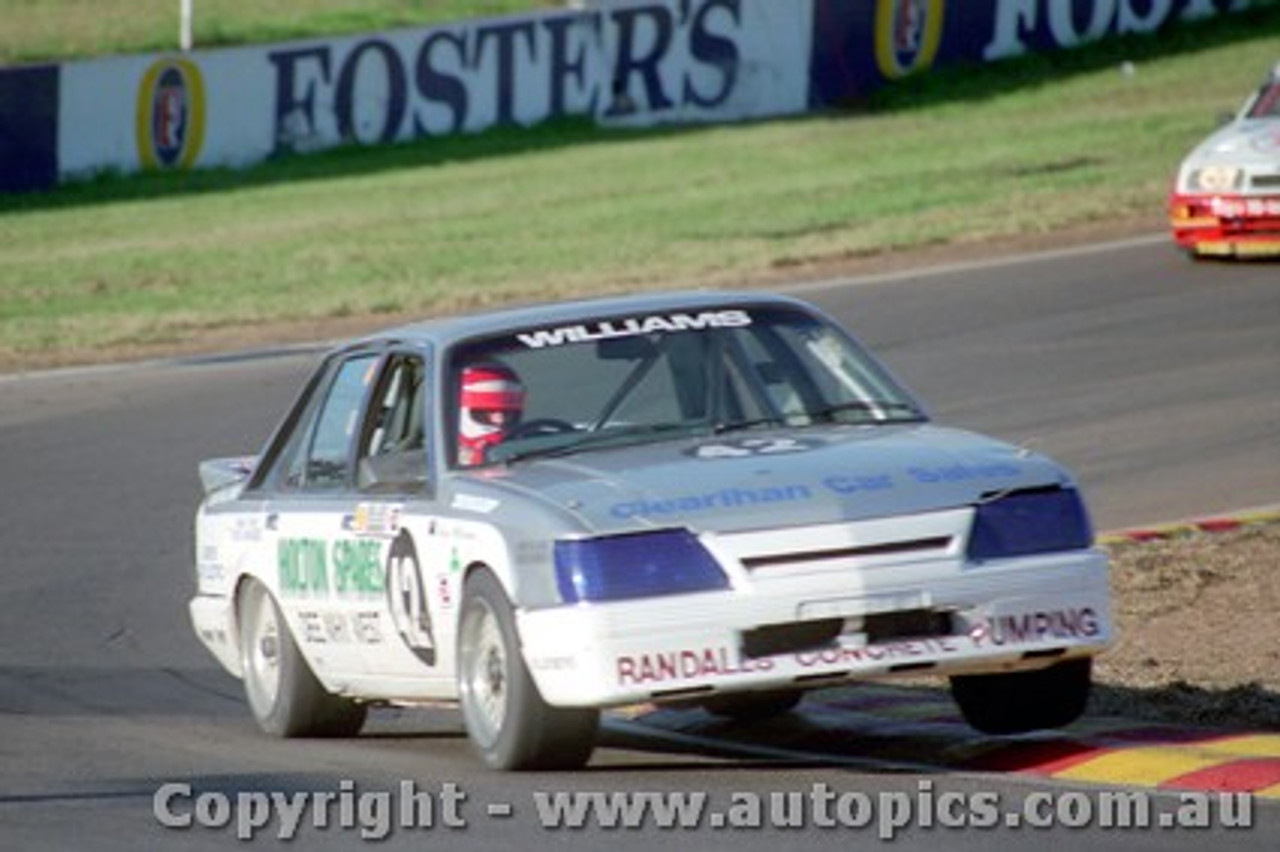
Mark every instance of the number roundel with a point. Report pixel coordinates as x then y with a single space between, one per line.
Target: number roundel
407 599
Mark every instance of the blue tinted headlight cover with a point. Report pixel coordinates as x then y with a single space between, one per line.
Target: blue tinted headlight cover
637 565
1029 522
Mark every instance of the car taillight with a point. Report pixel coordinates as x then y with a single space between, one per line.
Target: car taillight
1028 522
637 565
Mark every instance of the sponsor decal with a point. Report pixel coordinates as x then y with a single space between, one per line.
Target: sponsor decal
367 627
1038 626
302 566
311 566
375 519
337 628
661 666
553 663
1244 208
407 599
357 567
725 498
887 652
744 447
312 628
908 33
170 119
472 503
845 484
446 581
1023 628
962 473
836 483
633 327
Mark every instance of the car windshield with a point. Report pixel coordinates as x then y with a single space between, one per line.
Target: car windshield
624 380
1266 104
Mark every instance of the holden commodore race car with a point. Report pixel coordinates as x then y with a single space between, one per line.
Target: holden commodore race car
1226 198
712 499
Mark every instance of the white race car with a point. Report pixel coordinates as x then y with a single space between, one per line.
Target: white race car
716 499
1226 200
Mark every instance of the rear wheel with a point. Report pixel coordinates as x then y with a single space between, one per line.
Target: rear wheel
1017 702
286 698
753 706
509 724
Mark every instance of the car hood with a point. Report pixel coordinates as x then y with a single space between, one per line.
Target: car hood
753 480
1241 143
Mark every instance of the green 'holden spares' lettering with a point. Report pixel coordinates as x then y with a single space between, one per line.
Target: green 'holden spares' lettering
302 565
357 566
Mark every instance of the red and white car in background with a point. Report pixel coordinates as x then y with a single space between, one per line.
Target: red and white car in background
1226 201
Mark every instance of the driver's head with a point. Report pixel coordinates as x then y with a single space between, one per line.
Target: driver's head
490 402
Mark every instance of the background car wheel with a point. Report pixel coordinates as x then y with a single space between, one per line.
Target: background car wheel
1024 701
509 724
753 706
284 695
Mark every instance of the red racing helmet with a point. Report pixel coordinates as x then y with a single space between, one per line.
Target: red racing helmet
490 404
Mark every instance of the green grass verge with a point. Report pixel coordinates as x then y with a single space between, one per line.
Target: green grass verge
44 30
1027 147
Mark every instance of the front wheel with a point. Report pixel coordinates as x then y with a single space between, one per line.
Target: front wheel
509 724
286 698
1017 702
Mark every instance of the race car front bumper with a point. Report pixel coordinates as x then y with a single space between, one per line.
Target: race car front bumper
1226 225
213 618
930 618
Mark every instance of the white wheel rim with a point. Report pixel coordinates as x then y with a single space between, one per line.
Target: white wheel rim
261 653
484 673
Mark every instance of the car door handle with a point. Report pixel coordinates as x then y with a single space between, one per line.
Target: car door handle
272 521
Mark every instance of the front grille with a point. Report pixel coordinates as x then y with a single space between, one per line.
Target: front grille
790 638
1265 181
880 628
907 624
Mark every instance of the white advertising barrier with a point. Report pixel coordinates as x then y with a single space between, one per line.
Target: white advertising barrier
635 63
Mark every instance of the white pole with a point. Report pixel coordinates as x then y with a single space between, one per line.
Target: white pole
184 33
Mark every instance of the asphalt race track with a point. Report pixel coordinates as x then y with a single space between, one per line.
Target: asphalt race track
1156 379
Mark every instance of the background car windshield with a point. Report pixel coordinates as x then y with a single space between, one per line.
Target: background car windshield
1267 103
643 377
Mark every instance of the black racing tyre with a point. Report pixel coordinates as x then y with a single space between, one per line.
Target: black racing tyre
753 706
1017 702
284 695
509 724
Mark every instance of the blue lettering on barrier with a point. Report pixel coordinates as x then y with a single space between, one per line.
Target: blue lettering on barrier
396 87
432 88
715 51
859 47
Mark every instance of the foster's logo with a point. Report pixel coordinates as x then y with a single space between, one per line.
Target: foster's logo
170 117
907 35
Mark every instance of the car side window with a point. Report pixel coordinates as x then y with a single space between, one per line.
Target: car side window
323 460
393 452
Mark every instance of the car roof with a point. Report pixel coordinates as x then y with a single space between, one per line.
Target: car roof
447 330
